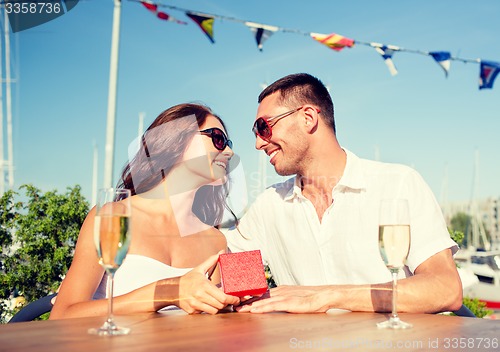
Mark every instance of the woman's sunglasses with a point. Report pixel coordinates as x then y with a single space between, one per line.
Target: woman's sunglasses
263 126
219 139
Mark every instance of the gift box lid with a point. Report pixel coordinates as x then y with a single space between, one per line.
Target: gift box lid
242 273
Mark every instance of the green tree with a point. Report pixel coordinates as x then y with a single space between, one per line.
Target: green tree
459 222
37 238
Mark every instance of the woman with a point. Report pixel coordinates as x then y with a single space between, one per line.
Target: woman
177 181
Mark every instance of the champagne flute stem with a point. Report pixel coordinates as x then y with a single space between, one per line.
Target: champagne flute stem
111 281
394 293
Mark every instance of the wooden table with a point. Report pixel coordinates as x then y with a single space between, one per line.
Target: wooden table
253 332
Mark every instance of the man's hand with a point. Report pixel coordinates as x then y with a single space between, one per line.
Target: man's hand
291 299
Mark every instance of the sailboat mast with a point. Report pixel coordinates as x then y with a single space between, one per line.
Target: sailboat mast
476 234
94 175
8 98
140 129
2 159
111 116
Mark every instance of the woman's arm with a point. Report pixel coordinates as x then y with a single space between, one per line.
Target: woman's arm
82 279
192 292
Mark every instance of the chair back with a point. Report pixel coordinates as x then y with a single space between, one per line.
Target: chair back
465 312
34 309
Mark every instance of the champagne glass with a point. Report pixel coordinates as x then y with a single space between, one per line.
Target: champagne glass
112 239
394 245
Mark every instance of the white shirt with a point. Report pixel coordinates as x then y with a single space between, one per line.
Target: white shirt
137 271
343 247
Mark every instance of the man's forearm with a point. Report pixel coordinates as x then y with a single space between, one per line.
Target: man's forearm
421 293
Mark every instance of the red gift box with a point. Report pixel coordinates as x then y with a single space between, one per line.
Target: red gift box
242 274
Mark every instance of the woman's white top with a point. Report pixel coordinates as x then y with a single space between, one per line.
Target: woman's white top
137 271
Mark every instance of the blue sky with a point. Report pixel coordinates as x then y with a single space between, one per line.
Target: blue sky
418 117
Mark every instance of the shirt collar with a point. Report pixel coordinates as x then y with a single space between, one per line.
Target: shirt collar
351 180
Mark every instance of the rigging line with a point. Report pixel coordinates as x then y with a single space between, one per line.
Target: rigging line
295 31
228 18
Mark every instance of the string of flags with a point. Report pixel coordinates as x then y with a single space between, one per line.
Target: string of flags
488 70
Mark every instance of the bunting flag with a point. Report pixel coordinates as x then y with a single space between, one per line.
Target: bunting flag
205 23
333 41
166 17
487 73
443 59
150 6
160 14
387 51
261 32
488 69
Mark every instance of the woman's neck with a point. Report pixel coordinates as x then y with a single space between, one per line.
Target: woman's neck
175 207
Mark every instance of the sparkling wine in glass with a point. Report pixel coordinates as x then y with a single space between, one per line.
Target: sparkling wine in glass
394 245
112 239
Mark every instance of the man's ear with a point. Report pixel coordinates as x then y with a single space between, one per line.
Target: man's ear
311 118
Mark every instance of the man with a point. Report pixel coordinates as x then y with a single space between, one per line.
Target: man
318 231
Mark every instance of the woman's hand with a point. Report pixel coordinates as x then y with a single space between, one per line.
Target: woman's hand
198 294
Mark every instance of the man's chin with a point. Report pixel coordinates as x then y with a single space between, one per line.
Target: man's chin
283 172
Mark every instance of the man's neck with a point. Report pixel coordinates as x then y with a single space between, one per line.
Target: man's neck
318 181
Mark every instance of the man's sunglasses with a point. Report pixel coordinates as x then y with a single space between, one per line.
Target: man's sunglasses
219 138
263 125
